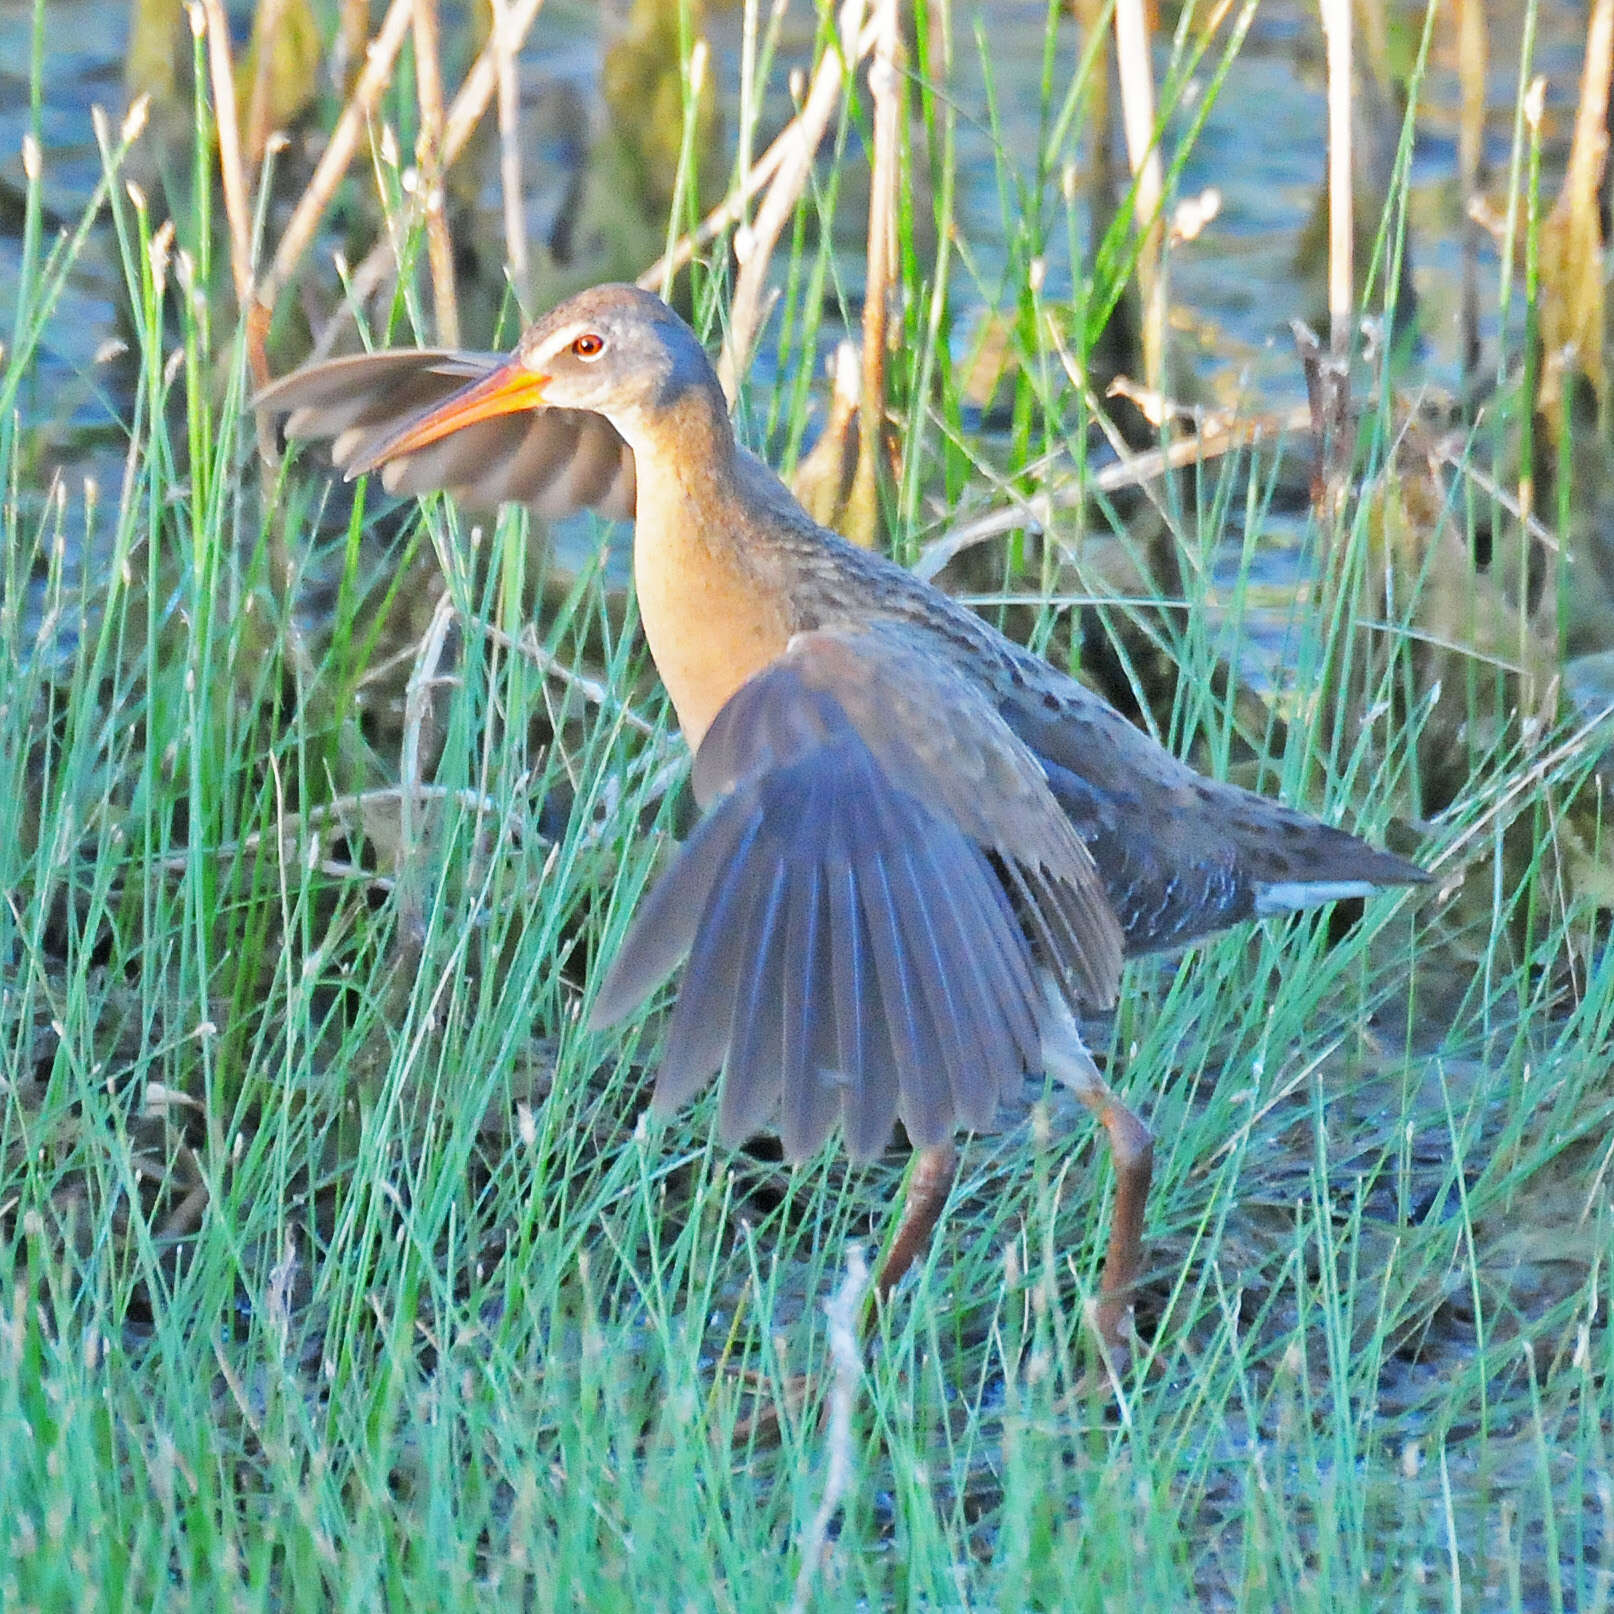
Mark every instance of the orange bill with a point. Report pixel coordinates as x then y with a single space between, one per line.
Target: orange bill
506 390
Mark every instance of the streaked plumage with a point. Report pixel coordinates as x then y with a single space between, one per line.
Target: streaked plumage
911 823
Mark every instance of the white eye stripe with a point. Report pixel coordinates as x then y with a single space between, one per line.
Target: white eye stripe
564 343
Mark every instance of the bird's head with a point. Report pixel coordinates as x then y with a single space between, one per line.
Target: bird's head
615 350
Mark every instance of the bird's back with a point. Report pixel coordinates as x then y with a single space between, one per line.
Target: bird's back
1181 855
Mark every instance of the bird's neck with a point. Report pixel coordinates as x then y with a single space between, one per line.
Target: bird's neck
688 442
709 617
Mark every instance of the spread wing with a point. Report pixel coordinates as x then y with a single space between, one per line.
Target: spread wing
880 872
559 461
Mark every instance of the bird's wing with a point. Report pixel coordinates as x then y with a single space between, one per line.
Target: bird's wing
557 460
879 874
1182 855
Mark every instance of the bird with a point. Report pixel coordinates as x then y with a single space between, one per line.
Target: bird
924 851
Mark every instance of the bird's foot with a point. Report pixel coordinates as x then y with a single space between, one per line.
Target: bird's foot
1114 1341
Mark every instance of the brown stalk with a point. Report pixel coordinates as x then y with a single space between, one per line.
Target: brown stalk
1472 61
419 737
754 248
333 165
1336 16
482 81
265 26
1573 300
1039 511
232 173
863 505
429 167
503 43
352 29
839 1456
1143 153
1330 383
464 113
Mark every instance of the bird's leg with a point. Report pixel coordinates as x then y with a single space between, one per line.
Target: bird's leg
1132 1149
929 1182
922 1204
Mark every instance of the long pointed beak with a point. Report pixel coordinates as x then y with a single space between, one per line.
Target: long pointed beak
507 390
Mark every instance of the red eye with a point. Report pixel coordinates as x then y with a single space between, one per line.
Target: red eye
588 345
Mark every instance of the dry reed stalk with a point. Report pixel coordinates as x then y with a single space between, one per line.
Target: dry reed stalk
1143 153
862 519
208 17
380 56
1095 159
482 81
744 156
429 168
1574 302
1336 15
504 44
1220 434
1332 400
419 736
1472 62
754 247
266 23
840 1465
464 113
1315 366
731 209
1573 319
352 30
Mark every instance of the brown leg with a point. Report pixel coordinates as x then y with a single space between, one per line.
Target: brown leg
1132 1149
922 1205
929 1183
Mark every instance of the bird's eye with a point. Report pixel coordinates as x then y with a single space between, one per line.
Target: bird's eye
588 345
